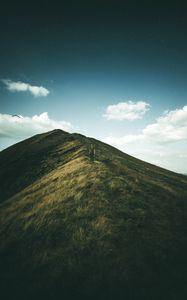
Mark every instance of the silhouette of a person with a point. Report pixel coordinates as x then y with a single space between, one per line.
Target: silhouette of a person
92 152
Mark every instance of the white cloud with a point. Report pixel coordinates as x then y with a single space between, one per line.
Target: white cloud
19 127
126 110
170 127
36 91
163 142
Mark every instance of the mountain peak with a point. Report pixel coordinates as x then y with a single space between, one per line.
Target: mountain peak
55 131
86 219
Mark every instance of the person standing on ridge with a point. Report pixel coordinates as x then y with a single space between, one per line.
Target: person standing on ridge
92 152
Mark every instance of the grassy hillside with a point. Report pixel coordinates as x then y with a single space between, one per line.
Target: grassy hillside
80 219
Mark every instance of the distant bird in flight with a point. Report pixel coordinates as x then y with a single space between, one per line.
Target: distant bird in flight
16 116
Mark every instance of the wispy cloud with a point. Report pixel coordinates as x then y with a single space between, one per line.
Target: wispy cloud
18 86
170 127
18 127
163 142
126 110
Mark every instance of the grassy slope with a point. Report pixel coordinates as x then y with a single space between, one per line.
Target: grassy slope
110 226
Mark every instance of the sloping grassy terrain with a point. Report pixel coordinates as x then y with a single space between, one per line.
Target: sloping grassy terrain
84 224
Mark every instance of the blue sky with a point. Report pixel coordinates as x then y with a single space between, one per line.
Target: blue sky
90 66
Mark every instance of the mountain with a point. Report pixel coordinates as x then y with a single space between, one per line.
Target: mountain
81 219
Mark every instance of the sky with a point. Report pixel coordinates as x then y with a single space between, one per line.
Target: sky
112 70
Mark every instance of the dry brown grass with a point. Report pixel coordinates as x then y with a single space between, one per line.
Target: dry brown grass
103 227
